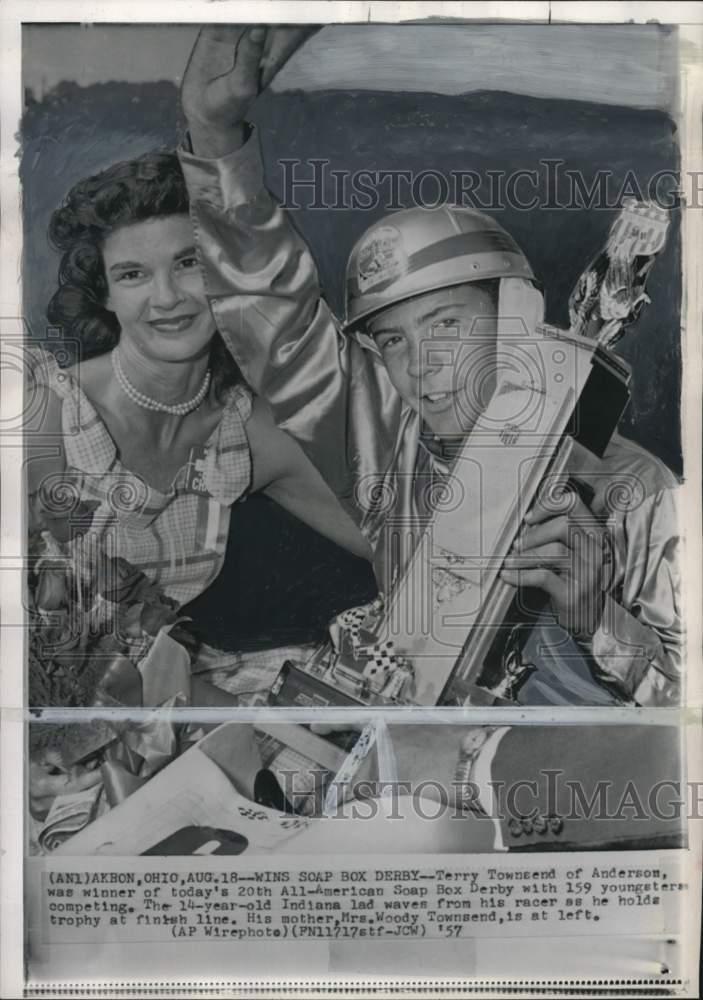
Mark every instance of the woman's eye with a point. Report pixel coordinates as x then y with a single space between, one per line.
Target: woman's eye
447 323
186 263
130 275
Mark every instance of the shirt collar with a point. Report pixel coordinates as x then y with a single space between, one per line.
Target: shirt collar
442 451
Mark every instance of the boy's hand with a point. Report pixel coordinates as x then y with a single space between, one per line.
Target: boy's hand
227 69
569 557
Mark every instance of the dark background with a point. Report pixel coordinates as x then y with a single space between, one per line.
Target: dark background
282 583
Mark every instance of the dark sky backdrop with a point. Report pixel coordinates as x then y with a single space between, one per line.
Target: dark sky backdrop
76 131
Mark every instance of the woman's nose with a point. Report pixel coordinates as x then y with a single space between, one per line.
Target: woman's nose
165 293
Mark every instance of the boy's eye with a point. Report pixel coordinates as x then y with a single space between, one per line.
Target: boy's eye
447 323
390 340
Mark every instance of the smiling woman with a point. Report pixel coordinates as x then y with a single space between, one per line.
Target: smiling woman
158 429
127 247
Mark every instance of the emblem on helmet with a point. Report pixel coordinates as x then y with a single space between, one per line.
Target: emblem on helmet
381 258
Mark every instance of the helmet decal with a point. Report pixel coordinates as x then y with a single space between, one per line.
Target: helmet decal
381 258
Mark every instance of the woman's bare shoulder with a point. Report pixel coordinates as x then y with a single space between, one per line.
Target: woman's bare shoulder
93 376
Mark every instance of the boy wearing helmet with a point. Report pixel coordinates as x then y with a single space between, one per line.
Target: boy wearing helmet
381 410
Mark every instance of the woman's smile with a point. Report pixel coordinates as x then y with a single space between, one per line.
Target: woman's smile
173 324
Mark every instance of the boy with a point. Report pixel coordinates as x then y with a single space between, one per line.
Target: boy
382 418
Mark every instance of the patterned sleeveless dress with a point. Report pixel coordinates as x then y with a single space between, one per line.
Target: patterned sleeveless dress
177 538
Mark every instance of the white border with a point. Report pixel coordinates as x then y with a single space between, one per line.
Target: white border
11 530
355 11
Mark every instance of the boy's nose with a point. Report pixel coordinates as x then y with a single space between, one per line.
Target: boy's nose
422 359
414 364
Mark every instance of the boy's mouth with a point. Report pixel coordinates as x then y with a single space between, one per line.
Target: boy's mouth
434 401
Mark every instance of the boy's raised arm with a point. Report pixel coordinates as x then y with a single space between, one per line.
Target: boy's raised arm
260 276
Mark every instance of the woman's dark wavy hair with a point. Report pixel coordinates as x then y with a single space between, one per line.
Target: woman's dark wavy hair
151 186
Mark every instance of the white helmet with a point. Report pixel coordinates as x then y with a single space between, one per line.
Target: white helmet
419 250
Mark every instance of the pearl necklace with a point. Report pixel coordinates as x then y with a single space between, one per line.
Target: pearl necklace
147 403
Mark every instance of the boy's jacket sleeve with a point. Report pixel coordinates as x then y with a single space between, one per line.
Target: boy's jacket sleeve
262 284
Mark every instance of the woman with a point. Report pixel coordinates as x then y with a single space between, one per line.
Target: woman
156 424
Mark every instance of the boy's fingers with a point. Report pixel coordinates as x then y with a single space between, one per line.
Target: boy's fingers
220 40
556 529
220 80
249 49
227 34
541 579
232 65
565 504
280 46
553 554
221 53
214 50
559 500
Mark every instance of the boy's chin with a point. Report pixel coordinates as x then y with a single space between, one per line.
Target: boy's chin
448 433
450 425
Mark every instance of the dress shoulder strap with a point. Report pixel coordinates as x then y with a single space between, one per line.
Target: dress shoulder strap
229 459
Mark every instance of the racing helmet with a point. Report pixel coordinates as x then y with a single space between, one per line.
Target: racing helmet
420 250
